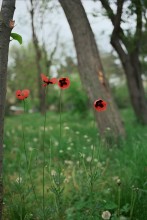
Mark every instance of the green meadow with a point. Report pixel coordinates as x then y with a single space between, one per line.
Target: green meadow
94 176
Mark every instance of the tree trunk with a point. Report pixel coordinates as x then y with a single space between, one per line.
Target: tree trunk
90 67
138 97
132 70
130 56
6 14
38 53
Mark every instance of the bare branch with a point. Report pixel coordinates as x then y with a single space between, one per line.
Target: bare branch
118 15
138 32
109 10
56 45
48 61
116 19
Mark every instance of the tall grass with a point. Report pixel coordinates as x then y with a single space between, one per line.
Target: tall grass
90 179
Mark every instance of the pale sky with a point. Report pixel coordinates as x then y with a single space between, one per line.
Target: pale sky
58 22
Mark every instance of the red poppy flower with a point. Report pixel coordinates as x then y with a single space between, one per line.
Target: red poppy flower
47 80
21 95
100 105
64 83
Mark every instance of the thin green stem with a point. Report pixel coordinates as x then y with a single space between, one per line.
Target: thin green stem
27 161
133 199
59 168
91 171
43 176
85 168
60 132
19 186
119 197
50 158
57 181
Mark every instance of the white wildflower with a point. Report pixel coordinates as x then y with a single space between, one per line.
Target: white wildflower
82 155
53 173
30 149
99 165
92 147
88 159
108 129
68 162
88 140
78 162
35 139
18 179
66 128
56 143
106 215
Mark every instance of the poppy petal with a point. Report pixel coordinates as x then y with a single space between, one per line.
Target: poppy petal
21 97
25 93
53 80
18 93
44 78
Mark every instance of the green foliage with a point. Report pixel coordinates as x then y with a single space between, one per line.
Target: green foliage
121 96
16 37
22 72
75 98
112 65
80 199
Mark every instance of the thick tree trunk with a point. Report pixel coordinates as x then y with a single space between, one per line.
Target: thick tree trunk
132 70
90 67
6 14
138 97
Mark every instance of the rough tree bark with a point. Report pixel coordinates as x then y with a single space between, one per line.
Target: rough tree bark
129 56
90 67
6 14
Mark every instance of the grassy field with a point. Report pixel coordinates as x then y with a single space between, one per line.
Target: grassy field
82 177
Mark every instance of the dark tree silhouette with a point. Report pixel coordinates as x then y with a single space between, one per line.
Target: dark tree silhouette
6 25
128 48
